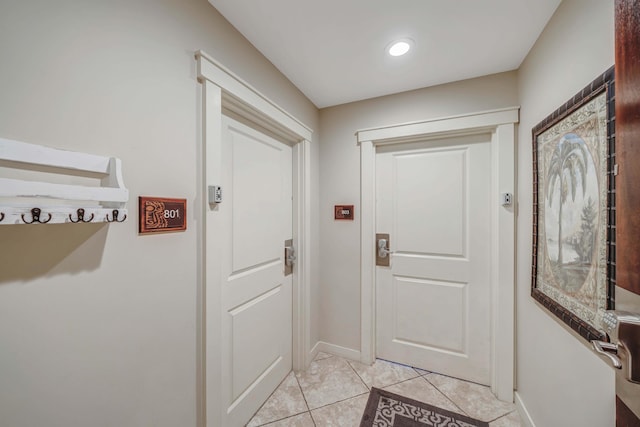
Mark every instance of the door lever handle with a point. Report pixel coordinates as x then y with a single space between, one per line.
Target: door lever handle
383 250
289 255
609 350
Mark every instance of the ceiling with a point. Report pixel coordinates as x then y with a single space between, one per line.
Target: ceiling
334 50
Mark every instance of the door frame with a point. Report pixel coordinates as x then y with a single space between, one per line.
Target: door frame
501 125
225 93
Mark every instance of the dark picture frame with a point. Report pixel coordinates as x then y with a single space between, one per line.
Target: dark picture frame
573 262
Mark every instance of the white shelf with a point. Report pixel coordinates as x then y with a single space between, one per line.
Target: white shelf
54 203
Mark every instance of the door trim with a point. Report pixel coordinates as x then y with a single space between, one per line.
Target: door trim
501 125
225 93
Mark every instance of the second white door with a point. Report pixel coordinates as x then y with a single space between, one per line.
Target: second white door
256 294
433 301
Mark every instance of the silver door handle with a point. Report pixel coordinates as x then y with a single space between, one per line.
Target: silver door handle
383 249
623 328
609 350
289 255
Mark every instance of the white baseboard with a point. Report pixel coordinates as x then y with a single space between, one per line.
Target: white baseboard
336 350
522 410
314 352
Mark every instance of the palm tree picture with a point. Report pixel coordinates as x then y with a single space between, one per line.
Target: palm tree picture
571 219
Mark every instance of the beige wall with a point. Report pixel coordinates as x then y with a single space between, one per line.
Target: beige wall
98 325
561 381
340 178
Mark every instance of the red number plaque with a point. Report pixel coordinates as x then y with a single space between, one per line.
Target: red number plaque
160 214
343 212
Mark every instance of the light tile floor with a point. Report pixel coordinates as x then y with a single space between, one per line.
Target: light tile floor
334 392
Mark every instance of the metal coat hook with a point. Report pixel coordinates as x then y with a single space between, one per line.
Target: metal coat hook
81 217
115 217
35 217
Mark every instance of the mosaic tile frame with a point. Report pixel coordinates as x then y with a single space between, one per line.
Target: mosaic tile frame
584 321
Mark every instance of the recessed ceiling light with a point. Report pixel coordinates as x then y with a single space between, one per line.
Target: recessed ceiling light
399 47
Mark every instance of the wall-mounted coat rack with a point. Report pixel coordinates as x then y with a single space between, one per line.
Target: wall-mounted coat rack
61 203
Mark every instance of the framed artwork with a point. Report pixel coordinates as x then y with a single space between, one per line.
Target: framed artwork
573 271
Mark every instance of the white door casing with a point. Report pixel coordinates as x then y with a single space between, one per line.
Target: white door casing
224 92
256 294
433 301
501 125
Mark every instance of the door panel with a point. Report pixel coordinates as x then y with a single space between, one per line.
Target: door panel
256 344
627 130
444 208
256 296
256 179
433 301
427 302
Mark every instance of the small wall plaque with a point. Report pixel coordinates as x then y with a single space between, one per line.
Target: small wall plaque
161 214
343 212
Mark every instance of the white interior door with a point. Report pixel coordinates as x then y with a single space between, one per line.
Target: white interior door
433 301
256 295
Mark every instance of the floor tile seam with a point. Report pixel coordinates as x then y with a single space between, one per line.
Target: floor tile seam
282 418
272 393
358 375
400 382
469 382
413 368
349 369
503 416
286 418
313 420
316 395
446 397
419 374
340 401
303 395
458 379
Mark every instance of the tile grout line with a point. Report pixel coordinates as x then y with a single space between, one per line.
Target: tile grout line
388 385
339 401
419 374
446 397
347 398
400 382
285 418
305 399
465 381
265 402
358 375
503 416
